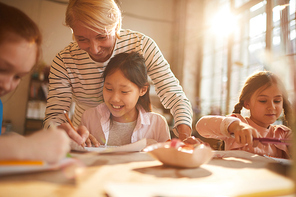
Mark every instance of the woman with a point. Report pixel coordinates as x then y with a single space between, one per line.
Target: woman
76 72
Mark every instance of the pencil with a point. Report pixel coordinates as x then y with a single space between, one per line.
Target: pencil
68 119
21 162
70 122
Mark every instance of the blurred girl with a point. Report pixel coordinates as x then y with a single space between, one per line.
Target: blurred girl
20 43
265 96
125 116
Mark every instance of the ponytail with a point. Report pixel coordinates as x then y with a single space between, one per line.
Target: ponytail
237 108
287 112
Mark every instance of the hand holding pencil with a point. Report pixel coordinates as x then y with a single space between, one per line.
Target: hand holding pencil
79 135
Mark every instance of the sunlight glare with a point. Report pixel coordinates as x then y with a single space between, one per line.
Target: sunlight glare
238 159
223 23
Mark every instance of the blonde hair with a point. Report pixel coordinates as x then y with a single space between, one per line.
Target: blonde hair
95 14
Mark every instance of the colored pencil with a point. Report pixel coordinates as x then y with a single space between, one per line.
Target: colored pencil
21 162
70 122
274 140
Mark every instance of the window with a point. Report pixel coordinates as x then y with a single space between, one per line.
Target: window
229 58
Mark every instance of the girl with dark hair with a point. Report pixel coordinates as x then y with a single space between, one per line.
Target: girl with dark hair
265 96
125 116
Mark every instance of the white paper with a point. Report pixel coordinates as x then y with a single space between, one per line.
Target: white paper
280 160
204 189
133 147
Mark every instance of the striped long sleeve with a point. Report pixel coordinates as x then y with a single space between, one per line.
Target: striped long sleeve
75 77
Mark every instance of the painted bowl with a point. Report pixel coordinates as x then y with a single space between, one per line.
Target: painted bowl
178 154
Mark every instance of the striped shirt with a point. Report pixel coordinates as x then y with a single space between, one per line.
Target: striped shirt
74 76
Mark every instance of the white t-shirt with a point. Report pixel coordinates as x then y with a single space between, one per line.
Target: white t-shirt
121 133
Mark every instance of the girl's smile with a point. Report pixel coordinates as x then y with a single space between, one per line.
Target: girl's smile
121 97
116 107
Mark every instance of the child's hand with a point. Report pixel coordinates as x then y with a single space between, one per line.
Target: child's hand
47 145
151 141
91 140
244 133
80 135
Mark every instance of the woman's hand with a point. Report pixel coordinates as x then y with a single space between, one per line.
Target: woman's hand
80 135
91 140
184 131
195 141
244 133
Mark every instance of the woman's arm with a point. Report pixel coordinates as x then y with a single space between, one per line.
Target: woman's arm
59 100
60 94
168 88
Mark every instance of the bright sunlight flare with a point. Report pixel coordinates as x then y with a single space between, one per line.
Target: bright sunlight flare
223 23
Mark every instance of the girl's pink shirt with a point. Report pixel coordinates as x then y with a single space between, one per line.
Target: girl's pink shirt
149 125
217 127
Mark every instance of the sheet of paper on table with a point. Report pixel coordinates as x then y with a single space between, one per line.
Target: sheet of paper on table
280 160
27 168
133 147
231 173
200 189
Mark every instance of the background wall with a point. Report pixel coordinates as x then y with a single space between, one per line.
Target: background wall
154 18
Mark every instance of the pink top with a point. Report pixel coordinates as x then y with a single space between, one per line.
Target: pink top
149 125
217 127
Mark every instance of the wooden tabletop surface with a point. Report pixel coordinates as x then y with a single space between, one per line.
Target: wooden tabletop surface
232 173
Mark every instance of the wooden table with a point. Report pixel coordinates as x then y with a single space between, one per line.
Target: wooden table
237 173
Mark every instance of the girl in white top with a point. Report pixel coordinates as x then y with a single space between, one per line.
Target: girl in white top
125 116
